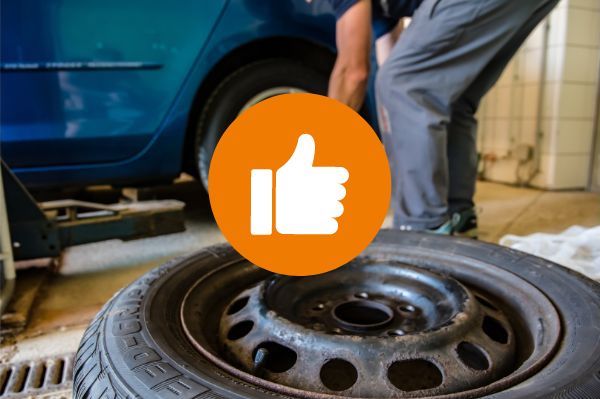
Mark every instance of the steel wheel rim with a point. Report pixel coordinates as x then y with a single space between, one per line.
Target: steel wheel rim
525 306
268 93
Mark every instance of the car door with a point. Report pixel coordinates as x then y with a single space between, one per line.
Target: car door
90 81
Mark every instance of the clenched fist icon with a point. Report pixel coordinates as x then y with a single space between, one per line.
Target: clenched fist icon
307 198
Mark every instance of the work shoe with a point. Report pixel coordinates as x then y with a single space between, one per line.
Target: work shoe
463 223
446 229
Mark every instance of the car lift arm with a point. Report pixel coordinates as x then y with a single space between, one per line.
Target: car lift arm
43 230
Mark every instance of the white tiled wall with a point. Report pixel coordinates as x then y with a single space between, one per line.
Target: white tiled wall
509 113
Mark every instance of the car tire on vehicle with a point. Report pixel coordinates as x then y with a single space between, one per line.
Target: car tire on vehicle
243 88
137 347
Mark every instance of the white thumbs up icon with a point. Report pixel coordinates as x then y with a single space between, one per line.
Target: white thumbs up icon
307 197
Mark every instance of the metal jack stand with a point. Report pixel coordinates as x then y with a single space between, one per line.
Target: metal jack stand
43 230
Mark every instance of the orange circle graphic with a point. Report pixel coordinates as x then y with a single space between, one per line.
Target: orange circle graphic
299 184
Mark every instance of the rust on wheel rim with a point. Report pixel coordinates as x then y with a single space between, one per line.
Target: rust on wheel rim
381 326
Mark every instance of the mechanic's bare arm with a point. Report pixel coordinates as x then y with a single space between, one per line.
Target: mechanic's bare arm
348 82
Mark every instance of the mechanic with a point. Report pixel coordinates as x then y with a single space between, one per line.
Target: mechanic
428 90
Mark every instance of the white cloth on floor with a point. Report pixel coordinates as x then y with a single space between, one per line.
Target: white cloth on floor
577 248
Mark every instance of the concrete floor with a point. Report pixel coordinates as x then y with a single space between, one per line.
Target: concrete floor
88 275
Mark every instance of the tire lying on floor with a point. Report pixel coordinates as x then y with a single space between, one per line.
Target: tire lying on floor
413 316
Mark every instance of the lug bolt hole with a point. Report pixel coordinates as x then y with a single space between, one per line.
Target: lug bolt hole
318 307
407 309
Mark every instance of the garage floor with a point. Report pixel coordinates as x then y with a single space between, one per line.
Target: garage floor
89 275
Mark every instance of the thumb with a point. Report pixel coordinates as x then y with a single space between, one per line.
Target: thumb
304 154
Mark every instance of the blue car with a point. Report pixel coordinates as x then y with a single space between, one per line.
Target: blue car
135 92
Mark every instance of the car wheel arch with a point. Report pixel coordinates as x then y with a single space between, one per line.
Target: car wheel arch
313 54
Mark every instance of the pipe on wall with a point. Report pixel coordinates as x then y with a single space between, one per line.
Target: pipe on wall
539 120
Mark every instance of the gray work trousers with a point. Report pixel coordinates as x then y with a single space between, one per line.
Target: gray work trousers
428 91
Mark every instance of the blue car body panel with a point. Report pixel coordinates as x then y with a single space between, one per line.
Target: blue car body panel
101 92
108 109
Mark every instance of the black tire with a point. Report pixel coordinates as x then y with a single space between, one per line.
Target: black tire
135 347
230 96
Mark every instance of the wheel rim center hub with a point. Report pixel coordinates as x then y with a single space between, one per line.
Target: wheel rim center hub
362 315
